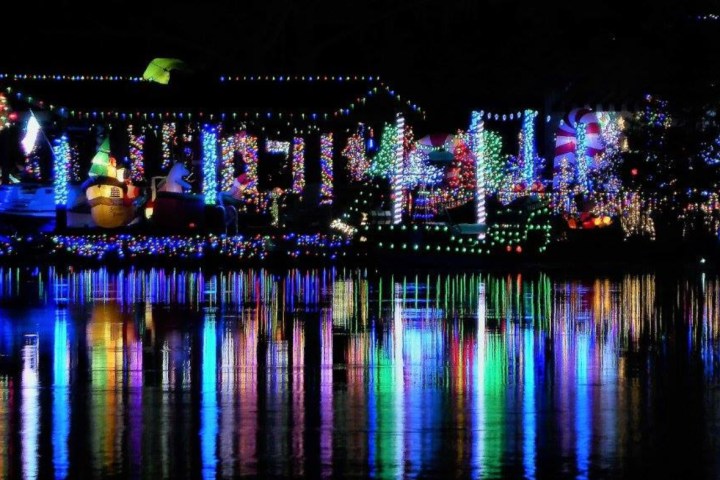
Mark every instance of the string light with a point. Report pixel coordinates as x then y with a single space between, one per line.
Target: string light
298 165
326 168
210 161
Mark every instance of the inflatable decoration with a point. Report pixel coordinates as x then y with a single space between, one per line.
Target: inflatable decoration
175 181
112 199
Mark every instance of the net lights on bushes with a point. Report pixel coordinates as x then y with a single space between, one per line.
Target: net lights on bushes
298 165
209 164
61 170
326 168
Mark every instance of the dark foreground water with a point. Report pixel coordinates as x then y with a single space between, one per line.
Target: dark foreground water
163 374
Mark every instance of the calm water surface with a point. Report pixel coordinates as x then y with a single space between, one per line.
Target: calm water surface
340 373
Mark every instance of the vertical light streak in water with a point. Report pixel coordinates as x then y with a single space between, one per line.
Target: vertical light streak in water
6 424
209 407
134 362
247 425
478 389
105 343
399 386
61 395
227 401
582 404
297 443
528 402
326 393
495 377
30 407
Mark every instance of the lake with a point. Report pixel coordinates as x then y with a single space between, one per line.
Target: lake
356 373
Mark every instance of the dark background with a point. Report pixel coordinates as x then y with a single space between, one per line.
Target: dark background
448 56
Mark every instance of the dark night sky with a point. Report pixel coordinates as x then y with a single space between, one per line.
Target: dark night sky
449 56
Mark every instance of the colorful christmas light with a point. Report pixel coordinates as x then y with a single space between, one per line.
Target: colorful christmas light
168 139
137 164
227 152
326 168
298 165
354 151
249 147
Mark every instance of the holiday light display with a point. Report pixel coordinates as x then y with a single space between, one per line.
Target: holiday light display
478 148
298 165
61 169
326 168
354 151
137 164
209 164
168 138
228 146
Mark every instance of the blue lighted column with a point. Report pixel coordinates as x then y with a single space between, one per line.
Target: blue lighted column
61 173
528 146
210 162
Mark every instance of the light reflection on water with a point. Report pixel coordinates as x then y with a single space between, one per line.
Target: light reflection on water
325 373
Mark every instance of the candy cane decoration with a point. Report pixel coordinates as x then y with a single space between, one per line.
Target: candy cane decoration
566 142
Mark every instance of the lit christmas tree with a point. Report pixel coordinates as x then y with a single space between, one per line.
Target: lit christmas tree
381 165
495 161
